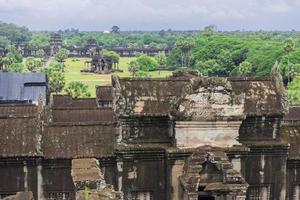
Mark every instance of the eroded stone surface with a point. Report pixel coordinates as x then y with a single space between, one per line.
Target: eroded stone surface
89 181
20 196
208 99
218 133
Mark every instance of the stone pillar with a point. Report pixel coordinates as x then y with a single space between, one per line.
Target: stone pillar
40 190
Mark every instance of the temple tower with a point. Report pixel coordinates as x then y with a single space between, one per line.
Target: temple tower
55 43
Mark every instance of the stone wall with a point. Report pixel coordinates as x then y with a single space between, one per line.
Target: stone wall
146 130
65 141
56 179
19 174
264 166
64 101
21 196
142 172
85 115
290 133
195 134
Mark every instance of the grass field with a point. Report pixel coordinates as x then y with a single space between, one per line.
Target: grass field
74 65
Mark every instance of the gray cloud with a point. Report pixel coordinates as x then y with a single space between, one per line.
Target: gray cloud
152 14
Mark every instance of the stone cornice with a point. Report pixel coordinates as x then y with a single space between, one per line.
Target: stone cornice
207 124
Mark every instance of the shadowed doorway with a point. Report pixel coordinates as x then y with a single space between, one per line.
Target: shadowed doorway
206 198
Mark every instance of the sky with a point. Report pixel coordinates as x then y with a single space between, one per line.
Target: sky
100 15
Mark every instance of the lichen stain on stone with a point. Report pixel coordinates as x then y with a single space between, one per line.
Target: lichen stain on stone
132 174
209 99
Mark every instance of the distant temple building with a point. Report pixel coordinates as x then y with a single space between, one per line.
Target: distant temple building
89 50
101 64
56 43
131 52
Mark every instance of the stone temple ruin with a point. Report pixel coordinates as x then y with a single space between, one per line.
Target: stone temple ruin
182 138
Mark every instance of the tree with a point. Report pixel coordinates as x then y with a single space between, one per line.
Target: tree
61 55
288 47
113 54
40 53
174 59
115 29
245 69
208 31
161 59
4 42
33 64
152 45
4 63
39 41
162 33
14 33
208 68
13 61
224 59
185 44
57 66
77 89
295 70
14 55
56 81
56 78
146 63
294 91
16 67
133 67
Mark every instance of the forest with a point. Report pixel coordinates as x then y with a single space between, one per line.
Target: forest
211 52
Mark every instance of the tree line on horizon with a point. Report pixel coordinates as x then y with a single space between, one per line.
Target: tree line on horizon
211 52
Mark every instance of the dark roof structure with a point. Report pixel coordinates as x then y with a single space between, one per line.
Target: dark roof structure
22 86
73 127
74 111
19 127
263 96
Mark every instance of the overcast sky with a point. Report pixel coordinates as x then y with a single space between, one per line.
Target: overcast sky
97 15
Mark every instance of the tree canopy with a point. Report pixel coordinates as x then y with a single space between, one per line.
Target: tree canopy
56 78
77 89
33 64
61 55
144 63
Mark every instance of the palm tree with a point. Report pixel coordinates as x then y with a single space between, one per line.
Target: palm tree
115 29
4 63
185 44
288 47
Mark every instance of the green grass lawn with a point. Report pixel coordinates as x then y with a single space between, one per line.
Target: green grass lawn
74 65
